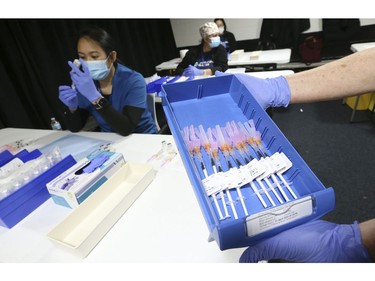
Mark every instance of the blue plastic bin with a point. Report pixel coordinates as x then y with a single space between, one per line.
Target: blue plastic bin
155 86
23 201
5 157
24 155
216 101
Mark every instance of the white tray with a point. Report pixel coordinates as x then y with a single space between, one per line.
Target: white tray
82 230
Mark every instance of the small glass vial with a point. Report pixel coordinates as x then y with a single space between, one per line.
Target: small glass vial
55 125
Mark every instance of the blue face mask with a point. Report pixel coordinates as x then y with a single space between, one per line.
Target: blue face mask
215 42
98 69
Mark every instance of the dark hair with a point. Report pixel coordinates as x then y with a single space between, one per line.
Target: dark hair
100 36
225 25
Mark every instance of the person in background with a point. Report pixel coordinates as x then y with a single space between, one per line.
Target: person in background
319 240
206 58
112 93
227 38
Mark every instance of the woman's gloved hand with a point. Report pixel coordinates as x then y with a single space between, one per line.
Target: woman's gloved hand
316 241
68 96
83 81
269 92
192 71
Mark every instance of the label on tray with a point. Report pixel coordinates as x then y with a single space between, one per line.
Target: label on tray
266 220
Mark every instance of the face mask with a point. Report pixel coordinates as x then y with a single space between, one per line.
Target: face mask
215 42
98 69
221 29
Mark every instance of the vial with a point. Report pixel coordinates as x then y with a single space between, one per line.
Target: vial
55 125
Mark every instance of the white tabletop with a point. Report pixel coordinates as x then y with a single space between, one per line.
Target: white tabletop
279 56
171 64
165 224
362 46
270 74
163 234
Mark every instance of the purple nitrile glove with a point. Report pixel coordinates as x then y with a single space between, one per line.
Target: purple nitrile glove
68 96
83 81
316 241
269 92
95 163
192 71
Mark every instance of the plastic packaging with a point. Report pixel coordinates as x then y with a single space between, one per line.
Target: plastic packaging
18 177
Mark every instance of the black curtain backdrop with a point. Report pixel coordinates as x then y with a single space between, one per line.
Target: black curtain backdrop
34 55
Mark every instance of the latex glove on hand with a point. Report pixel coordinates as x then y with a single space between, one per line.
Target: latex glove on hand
316 241
192 71
68 96
269 92
83 81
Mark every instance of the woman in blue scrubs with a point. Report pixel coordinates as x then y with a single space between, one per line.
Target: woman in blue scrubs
112 93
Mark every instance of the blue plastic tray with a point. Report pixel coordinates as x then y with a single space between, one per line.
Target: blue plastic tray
216 101
5 157
23 201
24 155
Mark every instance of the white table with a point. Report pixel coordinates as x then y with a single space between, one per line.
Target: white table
362 46
280 56
164 224
270 74
171 64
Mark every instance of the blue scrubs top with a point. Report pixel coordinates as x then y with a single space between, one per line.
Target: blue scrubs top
128 89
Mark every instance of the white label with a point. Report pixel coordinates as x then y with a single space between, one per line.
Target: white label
277 162
245 175
255 169
266 220
232 179
212 184
267 169
287 163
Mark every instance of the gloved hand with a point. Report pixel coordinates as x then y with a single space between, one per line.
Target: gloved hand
83 81
192 71
68 96
316 241
269 92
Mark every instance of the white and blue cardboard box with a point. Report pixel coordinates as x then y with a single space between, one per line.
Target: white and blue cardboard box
72 187
255 203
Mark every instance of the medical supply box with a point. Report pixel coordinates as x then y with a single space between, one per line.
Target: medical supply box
248 179
88 223
74 185
15 206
